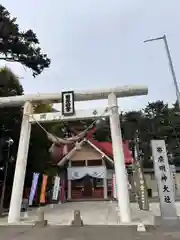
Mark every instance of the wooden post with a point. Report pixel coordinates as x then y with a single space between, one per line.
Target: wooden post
105 182
69 184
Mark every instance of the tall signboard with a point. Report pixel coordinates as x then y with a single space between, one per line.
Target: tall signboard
142 195
164 180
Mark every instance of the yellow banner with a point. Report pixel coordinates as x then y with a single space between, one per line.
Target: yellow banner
43 189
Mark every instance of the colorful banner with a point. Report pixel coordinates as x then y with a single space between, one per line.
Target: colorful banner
56 188
43 189
33 188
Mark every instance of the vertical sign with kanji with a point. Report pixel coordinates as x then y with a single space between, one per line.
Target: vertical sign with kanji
164 180
68 108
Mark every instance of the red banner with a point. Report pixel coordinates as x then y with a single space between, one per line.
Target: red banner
43 189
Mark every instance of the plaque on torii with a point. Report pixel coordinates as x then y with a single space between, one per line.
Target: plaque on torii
68 106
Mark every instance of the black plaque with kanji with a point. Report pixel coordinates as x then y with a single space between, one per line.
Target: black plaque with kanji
68 106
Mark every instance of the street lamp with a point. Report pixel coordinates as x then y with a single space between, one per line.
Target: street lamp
10 143
164 38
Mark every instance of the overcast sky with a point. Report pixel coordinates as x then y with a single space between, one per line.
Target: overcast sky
99 44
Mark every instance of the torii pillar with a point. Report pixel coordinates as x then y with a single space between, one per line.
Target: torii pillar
21 163
119 161
121 177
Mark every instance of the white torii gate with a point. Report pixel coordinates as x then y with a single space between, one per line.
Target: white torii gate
28 118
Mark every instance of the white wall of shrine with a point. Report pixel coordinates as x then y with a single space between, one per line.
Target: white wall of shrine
87 153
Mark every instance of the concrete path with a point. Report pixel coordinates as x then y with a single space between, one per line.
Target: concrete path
99 213
84 233
93 213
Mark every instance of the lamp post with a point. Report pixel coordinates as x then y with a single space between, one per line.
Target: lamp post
164 38
10 143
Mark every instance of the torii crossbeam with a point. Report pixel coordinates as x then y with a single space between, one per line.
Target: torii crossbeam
125 91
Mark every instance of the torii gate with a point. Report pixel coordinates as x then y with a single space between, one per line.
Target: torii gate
28 116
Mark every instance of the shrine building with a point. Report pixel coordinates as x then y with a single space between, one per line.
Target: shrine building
87 168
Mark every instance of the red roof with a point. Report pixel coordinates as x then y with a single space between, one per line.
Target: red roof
106 147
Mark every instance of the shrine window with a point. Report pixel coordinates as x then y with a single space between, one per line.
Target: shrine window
80 163
97 162
98 183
